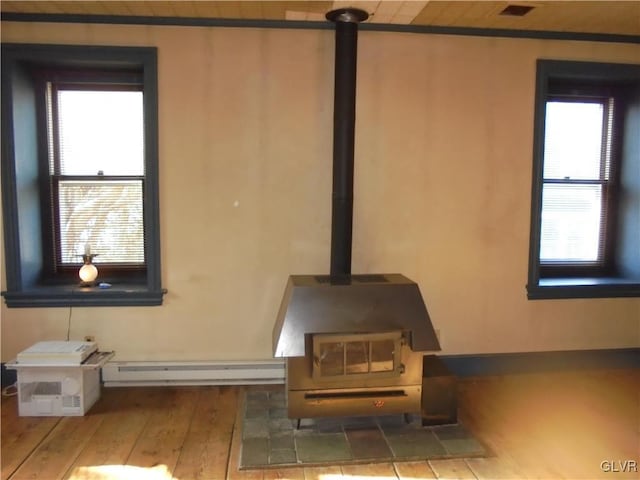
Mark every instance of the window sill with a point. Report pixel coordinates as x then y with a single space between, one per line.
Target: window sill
121 295
584 287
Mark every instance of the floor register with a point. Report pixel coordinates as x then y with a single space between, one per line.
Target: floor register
58 378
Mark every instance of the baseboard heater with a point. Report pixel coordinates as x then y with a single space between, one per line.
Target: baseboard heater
123 374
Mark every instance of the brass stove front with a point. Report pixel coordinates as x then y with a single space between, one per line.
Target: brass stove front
354 374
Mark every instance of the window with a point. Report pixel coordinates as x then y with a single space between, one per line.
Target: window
585 164
576 182
80 174
96 171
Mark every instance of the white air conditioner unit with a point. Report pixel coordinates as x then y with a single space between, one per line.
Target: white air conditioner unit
118 374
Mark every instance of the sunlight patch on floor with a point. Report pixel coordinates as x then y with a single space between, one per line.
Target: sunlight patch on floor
122 472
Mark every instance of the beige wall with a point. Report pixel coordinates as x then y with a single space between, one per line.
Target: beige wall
443 178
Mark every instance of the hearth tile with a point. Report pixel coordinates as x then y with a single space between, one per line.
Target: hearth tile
305 431
255 428
284 456
463 446
328 447
389 422
257 397
272 439
359 422
450 432
254 412
368 443
329 425
280 425
415 443
307 424
277 412
282 441
400 423
413 420
255 451
277 399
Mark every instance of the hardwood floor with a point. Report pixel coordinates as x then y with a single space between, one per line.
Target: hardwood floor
552 425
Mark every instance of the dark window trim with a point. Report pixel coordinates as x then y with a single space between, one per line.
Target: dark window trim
23 251
597 283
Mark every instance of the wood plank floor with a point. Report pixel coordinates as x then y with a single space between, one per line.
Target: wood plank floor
555 425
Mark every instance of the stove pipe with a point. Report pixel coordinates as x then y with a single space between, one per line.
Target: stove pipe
344 119
341 302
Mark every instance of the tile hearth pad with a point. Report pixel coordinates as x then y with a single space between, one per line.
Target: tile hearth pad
270 439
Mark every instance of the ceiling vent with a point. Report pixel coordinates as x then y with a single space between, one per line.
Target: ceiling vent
516 10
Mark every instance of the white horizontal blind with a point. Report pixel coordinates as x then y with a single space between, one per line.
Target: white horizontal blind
98 175
105 215
575 180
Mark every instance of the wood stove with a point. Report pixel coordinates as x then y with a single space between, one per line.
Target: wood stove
354 344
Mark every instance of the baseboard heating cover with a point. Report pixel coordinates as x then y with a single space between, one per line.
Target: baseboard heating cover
120 374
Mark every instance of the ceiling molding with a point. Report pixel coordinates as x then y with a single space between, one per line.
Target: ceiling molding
303 24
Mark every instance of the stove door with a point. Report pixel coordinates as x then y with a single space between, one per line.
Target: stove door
356 356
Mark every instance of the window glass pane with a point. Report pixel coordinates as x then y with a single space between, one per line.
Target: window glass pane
101 131
357 357
105 214
570 229
573 140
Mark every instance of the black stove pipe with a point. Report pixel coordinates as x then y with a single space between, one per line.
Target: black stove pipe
344 119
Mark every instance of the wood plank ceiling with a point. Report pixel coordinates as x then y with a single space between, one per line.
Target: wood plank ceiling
609 17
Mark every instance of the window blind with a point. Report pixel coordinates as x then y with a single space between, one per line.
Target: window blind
105 215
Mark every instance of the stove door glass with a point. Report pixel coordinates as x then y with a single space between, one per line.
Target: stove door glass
357 360
355 355
382 355
331 359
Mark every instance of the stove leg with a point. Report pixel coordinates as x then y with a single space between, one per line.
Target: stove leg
407 418
298 424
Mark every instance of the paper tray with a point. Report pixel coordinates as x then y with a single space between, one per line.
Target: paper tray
95 360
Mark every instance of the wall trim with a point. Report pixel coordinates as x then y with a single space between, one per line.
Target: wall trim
222 22
540 362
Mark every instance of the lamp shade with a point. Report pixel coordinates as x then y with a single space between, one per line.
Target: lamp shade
88 272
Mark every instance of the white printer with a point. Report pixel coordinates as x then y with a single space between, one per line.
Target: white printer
58 378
